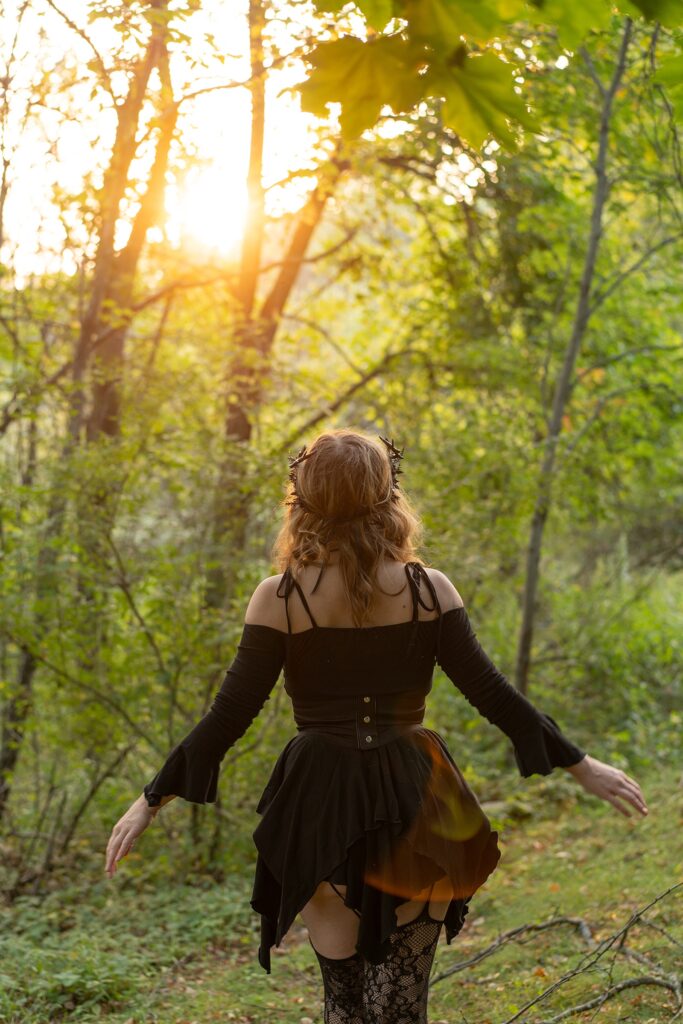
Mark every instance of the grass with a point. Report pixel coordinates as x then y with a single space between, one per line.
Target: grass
187 954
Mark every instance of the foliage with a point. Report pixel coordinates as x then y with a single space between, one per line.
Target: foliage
57 965
412 51
434 306
186 950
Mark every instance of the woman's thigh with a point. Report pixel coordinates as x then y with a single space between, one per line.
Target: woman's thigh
439 896
333 927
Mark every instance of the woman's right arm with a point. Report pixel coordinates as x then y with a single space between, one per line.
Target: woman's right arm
191 769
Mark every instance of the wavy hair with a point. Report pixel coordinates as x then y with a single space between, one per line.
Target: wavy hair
344 501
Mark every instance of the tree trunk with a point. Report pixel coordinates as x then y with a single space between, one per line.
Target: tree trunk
254 335
15 713
563 383
116 180
105 416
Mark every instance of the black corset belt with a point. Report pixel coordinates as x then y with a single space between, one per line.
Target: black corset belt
366 721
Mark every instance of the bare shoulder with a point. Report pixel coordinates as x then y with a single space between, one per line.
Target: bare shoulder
265 608
445 591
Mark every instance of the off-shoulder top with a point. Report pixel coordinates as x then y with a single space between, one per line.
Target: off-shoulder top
333 673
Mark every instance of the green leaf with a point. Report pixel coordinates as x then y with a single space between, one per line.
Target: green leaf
363 77
442 23
668 12
573 20
377 12
479 98
670 75
330 6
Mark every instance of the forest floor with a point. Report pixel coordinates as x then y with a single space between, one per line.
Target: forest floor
175 958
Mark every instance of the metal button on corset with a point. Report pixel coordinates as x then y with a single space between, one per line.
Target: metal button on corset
365 722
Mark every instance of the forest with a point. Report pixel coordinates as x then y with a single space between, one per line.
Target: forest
224 229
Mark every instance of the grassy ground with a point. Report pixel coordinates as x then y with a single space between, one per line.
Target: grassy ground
181 956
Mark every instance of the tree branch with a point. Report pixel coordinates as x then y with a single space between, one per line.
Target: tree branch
99 60
602 296
610 360
322 414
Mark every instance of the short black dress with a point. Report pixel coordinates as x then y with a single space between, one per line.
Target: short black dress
364 795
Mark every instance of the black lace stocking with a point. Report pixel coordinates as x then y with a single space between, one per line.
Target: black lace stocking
343 986
396 990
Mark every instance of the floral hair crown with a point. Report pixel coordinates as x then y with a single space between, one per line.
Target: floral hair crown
395 456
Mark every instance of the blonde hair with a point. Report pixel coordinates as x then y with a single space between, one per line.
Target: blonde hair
341 502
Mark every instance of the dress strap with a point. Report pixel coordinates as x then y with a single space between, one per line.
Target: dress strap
285 585
304 602
289 582
416 573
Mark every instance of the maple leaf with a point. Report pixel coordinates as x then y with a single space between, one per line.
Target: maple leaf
377 12
479 98
363 77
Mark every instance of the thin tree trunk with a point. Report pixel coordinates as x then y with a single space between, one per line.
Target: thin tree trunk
255 334
563 383
113 190
15 714
16 711
255 340
6 84
105 416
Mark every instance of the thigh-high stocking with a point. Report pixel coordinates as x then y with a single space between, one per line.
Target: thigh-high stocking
343 988
396 990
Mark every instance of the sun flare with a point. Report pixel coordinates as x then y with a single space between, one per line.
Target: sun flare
208 211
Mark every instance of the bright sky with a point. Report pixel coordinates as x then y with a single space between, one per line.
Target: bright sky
66 141
71 134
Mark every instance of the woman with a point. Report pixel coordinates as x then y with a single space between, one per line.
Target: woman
368 828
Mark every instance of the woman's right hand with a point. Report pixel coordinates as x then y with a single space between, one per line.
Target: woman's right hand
610 784
126 830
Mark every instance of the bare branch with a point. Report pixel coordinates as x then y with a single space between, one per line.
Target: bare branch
84 35
602 296
96 782
593 958
328 338
446 262
375 371
81 684
590 67
610 360
124 586
351 233
512 933
609 993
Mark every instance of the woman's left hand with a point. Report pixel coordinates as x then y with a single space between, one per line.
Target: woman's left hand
126 830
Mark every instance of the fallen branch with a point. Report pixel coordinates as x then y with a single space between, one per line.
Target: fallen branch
617 942
578 922
613 990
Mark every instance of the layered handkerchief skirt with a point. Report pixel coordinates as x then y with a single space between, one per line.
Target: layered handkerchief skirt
364 795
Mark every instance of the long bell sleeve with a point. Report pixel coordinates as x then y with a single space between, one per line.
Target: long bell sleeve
539 744
191 769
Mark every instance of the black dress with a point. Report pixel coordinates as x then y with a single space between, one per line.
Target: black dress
363 795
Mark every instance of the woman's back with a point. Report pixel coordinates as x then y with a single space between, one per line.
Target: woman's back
324 593
329 660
